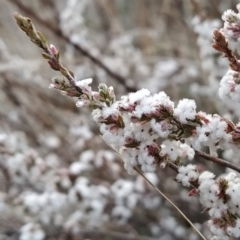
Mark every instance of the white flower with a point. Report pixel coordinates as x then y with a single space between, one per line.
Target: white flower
212 134
84 83
234 231
161 128
176 149
229 90
111 111
185 110
138 96
186 174
230 16
205 176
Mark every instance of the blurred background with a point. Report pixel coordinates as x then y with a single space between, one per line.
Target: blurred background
58 179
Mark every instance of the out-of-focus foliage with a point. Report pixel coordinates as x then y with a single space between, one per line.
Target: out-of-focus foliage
58 180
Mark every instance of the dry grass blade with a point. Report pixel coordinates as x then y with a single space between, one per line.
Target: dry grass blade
166 198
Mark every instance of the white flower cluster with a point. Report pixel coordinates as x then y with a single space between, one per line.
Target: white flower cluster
124 192
44 193
209 191
231 28
176 149
229 90
187 174
220 197
93 199
50 205
185 110
84 86
146 118
31 231
134 125
46 206
212 133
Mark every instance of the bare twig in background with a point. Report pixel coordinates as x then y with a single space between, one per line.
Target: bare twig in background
5 172
198 11
101 234
90 233
217 160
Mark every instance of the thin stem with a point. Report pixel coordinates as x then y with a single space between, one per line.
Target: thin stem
173 166
165 197
217 160
65 72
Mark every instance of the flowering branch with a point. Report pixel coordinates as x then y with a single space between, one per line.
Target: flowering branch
149 131
110 113
120 79
49 52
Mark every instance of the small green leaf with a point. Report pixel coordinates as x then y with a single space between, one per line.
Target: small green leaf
43 39
58 55
121 122
46 55
71 73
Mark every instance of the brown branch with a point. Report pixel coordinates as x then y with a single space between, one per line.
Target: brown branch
198 9
173 166
217 160
5 173
57 31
